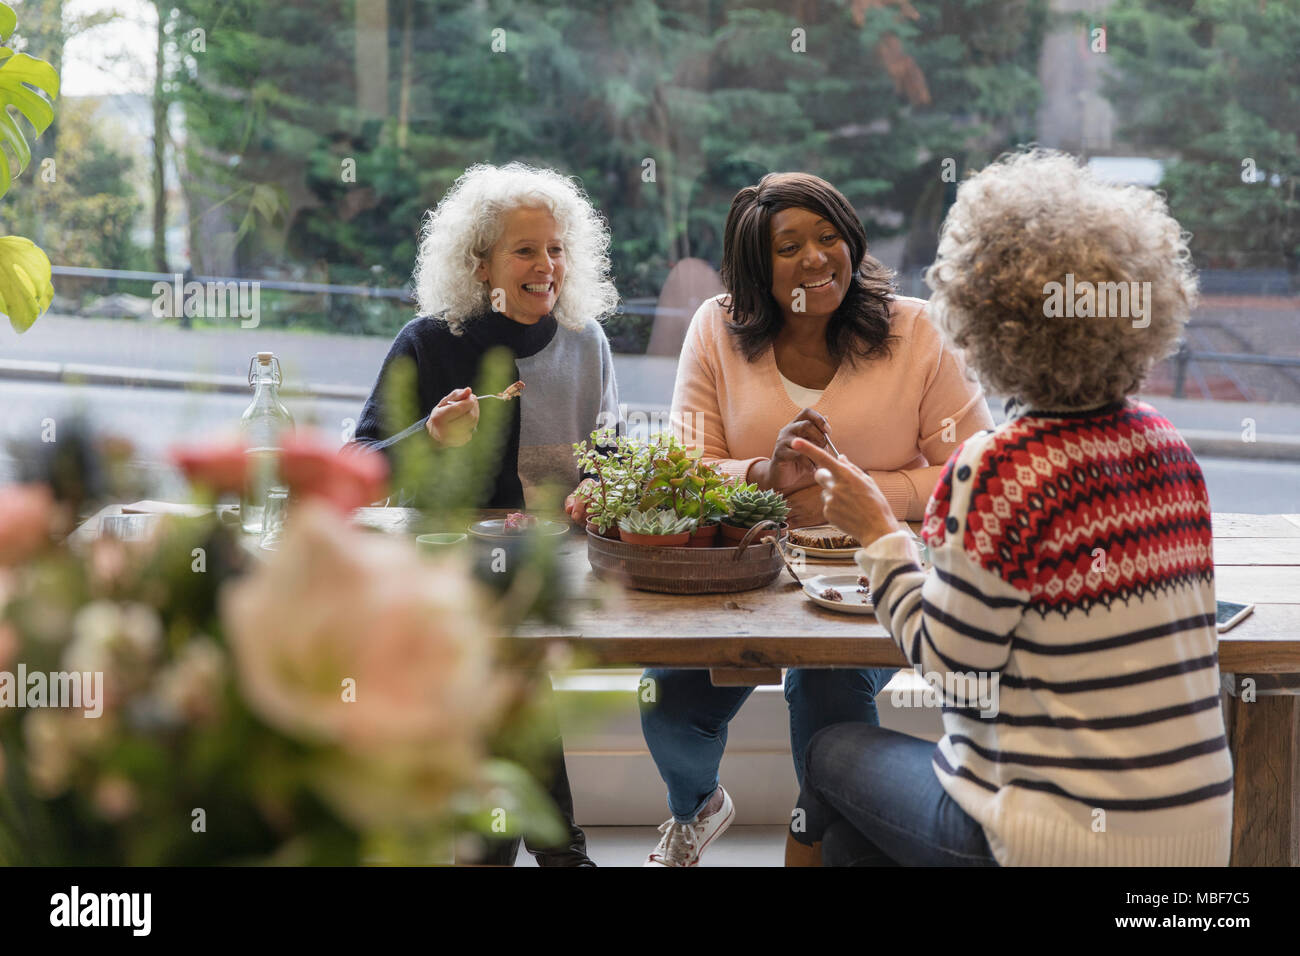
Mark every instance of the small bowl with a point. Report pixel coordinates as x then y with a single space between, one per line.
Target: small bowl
440 543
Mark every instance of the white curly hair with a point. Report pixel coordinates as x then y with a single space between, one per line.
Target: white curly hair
458 235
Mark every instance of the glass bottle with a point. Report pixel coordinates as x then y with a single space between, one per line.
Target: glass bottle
262 424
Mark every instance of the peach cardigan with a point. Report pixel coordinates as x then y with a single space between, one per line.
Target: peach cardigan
897 418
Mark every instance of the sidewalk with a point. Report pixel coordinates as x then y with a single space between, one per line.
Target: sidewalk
343 367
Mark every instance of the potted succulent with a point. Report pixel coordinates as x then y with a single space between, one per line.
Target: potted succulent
606 508
658 527
613 465
669 479
708 503
747 506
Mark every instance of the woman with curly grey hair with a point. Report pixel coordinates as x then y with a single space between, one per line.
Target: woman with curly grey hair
513 257
1068 625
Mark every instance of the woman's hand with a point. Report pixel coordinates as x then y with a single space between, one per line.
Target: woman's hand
454 419
575 507
788 468
850 499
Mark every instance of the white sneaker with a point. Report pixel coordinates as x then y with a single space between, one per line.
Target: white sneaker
682 843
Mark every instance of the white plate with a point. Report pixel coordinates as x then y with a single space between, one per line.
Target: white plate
847 585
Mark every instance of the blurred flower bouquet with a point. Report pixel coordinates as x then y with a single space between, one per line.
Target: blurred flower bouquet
326 703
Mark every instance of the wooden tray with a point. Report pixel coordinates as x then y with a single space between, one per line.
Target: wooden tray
743 567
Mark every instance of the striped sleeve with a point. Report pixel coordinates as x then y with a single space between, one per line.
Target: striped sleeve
958 617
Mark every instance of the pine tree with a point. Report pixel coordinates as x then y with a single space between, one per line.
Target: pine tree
1215 84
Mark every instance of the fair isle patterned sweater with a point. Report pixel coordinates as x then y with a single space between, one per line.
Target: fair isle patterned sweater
1072 558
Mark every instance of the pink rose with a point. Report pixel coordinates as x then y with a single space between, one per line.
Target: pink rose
25 515
8 645
218 466
350 637
347 479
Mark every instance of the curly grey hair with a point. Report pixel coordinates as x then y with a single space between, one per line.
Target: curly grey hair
1029 220
458 235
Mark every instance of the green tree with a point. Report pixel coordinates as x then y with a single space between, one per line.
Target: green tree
1215 84
88 206
873 95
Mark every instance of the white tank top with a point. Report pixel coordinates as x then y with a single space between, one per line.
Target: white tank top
803 397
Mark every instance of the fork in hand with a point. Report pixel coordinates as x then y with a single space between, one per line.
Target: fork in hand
506 395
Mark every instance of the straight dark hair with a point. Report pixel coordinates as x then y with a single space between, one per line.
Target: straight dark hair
859 328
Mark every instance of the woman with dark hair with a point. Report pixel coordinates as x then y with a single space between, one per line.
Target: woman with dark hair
808 337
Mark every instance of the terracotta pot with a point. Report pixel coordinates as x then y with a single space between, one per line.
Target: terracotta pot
611 533
656 540
704 537
733 534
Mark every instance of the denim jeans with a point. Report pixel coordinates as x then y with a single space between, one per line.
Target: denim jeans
872 798
685 722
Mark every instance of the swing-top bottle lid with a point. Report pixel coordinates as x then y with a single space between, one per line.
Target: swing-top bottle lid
264 358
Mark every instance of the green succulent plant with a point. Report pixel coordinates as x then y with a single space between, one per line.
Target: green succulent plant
709 494
618 468
629 475
747 506
673 479
659 521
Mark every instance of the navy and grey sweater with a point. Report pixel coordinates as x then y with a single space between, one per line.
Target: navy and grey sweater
569 391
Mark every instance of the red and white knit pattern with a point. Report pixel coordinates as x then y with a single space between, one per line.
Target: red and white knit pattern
1085 512
1073 558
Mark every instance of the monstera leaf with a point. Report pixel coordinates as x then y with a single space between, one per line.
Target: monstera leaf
18 72
25 289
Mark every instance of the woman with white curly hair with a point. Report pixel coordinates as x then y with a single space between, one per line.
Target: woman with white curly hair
1068 624
513 256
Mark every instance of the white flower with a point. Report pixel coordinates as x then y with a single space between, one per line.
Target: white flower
119 641
190 687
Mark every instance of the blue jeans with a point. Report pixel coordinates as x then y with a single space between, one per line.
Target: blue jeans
685 725
872 798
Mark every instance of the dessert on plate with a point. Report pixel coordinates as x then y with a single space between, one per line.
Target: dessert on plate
822 536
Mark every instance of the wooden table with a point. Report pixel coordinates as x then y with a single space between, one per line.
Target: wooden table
747 638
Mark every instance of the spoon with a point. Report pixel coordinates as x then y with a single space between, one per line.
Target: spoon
781 551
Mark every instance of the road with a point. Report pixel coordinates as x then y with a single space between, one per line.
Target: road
153 419
306 357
